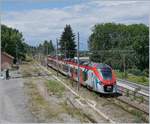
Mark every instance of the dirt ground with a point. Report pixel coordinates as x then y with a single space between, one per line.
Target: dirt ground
50 101
119 111
33 95
14 101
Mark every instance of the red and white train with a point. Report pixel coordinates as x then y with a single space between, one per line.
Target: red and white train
97 76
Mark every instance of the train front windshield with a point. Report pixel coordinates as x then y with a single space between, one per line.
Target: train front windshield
106 73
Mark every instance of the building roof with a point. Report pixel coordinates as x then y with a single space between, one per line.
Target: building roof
8 55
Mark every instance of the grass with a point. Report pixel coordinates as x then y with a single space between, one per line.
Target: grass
55 87
140 116
133 78
48 111
25 71
75 112
28 58
42 109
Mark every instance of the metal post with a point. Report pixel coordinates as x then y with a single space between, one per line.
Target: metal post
65 51
47 50
124 68
57 54
78 64
0 53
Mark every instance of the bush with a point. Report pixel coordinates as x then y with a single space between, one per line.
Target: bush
135 72
125 75
146 72
143 79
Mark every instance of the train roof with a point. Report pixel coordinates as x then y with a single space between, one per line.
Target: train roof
100 65
88 63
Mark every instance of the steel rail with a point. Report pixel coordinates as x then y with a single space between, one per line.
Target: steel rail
91 105
76 94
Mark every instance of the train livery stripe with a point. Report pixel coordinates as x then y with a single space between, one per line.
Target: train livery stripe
93 69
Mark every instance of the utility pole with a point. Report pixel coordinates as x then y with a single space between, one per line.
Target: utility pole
47 50
16 54
124 65
65 51
57 54
0 53
78 83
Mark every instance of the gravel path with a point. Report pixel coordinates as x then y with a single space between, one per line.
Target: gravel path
13 102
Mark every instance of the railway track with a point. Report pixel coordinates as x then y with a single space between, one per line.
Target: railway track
142 90
86 101
90 104
134 91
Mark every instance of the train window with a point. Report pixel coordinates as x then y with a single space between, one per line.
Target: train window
76 71
106 73
65 68
84 74
71 69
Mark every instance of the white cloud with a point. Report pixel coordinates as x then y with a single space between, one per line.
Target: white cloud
41 24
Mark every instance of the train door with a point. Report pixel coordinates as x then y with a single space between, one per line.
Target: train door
95 82
69 70
81 76
90 81
85 76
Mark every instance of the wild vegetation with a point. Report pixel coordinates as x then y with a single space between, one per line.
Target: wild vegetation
67 42
121 46
46 48
12 42
124 47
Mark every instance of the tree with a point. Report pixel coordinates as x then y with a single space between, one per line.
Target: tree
46 48
141 46
108 40
67 42
51 46
12 42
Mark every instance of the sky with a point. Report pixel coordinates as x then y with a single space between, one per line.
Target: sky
41 20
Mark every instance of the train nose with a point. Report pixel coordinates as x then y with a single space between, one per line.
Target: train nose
109 82
108 88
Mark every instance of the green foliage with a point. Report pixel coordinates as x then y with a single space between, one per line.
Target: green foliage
135 71
67 42
125 75
143 79
146 72
44 48
138 72
133 78
141 99
139 79
110 42
47 47
12 42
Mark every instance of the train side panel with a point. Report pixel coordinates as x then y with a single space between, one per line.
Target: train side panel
88 77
